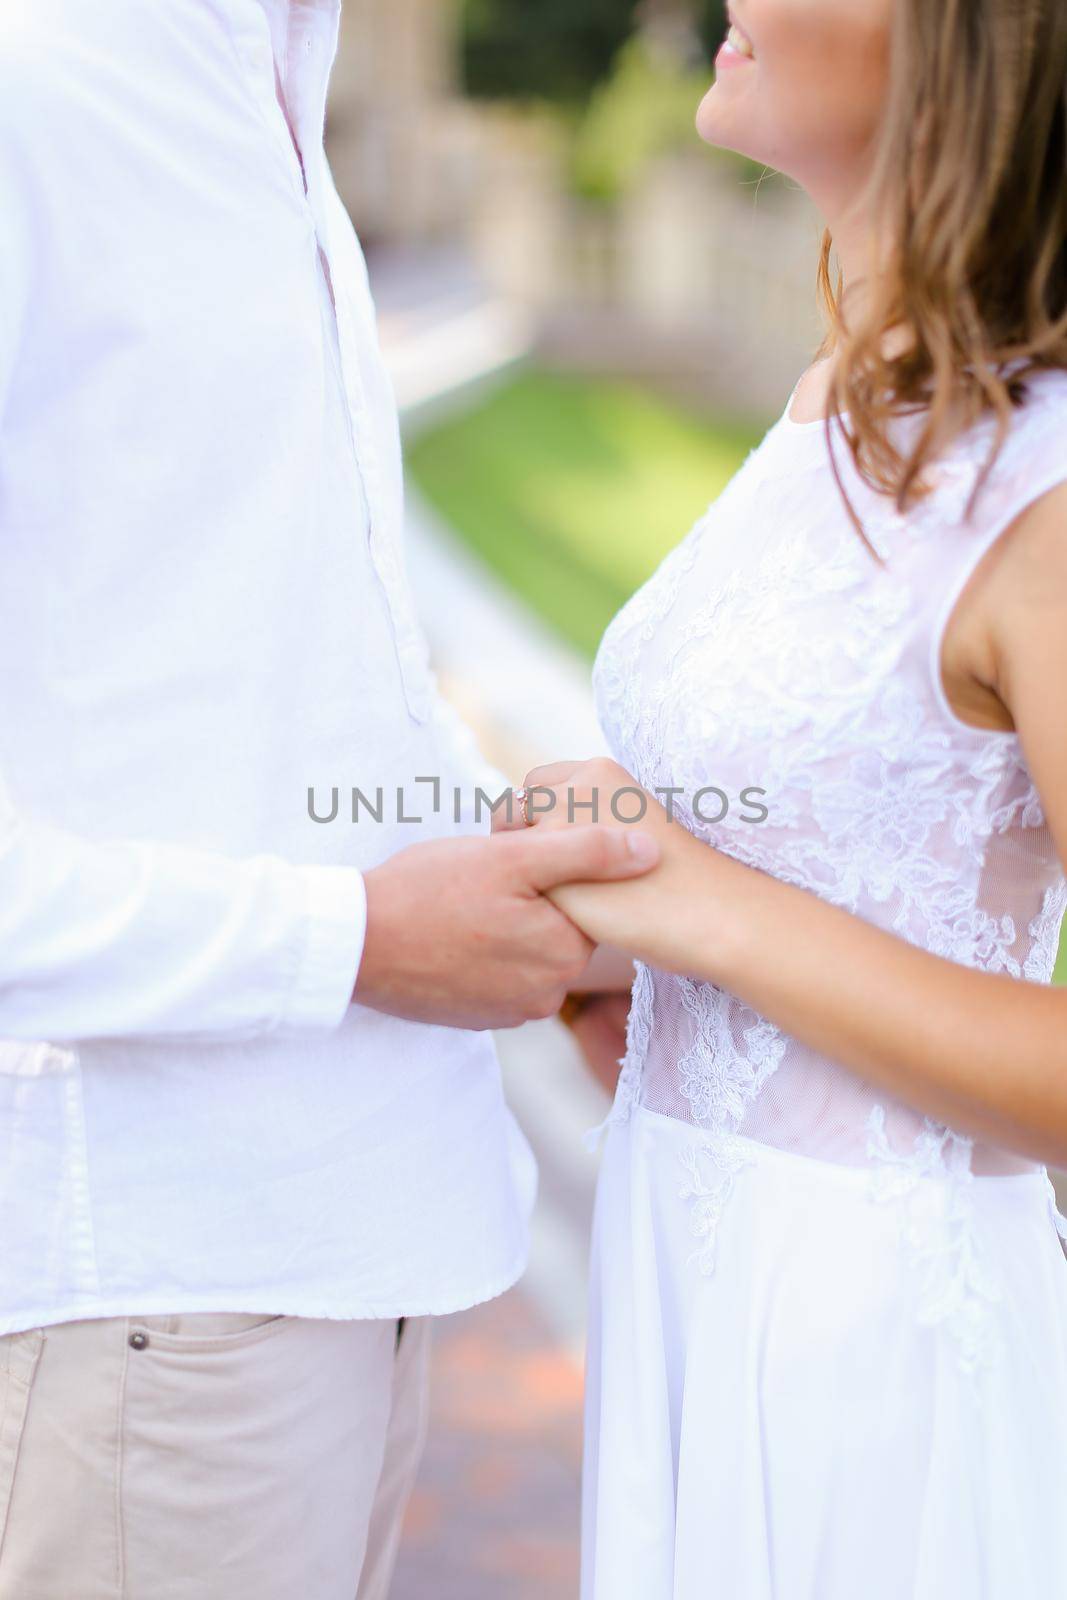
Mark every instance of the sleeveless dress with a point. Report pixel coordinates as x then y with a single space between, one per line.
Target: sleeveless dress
828 1336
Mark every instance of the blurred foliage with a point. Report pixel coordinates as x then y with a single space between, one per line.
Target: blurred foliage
712 24
1061 970
556 49
643 110
622 99
573 489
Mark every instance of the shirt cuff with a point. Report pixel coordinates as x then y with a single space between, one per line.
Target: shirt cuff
335 922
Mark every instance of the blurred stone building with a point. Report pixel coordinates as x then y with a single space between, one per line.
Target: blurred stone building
398 129
685 281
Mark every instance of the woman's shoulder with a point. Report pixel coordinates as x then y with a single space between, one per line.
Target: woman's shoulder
1015 484
1031 446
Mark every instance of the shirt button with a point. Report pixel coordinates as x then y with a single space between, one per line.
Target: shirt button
138 1341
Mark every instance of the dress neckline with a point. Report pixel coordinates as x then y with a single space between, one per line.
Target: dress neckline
789 421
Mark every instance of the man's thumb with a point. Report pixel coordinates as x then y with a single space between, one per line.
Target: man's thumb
555 856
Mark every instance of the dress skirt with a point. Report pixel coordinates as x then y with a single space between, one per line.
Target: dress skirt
812 1415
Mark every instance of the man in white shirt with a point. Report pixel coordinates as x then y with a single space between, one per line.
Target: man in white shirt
225 1188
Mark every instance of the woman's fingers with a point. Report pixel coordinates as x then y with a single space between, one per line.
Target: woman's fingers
552 775
533 803
569 792
508 818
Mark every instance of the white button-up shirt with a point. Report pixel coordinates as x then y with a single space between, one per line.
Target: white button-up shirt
203 614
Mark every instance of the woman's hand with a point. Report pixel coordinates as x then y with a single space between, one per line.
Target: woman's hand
570 793
651 925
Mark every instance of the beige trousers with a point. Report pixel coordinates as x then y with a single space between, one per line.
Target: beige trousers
207 1457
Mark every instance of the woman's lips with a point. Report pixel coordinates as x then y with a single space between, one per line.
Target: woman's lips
737 49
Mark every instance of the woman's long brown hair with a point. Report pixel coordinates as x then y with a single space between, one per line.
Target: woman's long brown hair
970 185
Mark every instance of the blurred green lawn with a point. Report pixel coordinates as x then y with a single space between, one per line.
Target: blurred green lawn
573 489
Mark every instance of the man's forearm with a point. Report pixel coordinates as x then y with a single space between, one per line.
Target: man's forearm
121 939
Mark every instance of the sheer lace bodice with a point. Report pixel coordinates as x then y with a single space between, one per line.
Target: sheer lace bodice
770 652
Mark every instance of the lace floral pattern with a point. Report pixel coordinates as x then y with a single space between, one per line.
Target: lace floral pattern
711 1167
1045 934
718 1099
638 1033
770 652
932 1186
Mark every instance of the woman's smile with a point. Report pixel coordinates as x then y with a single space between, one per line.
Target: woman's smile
737 48
814 107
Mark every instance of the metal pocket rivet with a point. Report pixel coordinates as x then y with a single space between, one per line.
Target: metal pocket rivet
138 1341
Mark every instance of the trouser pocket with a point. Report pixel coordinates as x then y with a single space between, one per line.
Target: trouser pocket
19 1354
252 1455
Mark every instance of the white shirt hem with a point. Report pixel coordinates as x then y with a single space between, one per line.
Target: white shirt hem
267 1302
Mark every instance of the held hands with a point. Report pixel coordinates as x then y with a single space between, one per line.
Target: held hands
653 917
460 932
491 933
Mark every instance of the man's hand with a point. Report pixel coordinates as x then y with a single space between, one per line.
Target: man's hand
459 931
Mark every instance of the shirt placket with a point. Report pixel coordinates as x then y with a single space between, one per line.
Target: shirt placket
304 34
384 536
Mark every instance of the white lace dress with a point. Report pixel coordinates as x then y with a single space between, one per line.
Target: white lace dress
828 1345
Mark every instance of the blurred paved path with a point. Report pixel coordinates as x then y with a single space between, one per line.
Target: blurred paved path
495 1512
496 1509
445 336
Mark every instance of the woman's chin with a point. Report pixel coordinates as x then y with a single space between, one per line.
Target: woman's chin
715 125
714 120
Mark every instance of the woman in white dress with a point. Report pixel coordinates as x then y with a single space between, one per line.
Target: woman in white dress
828 1346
